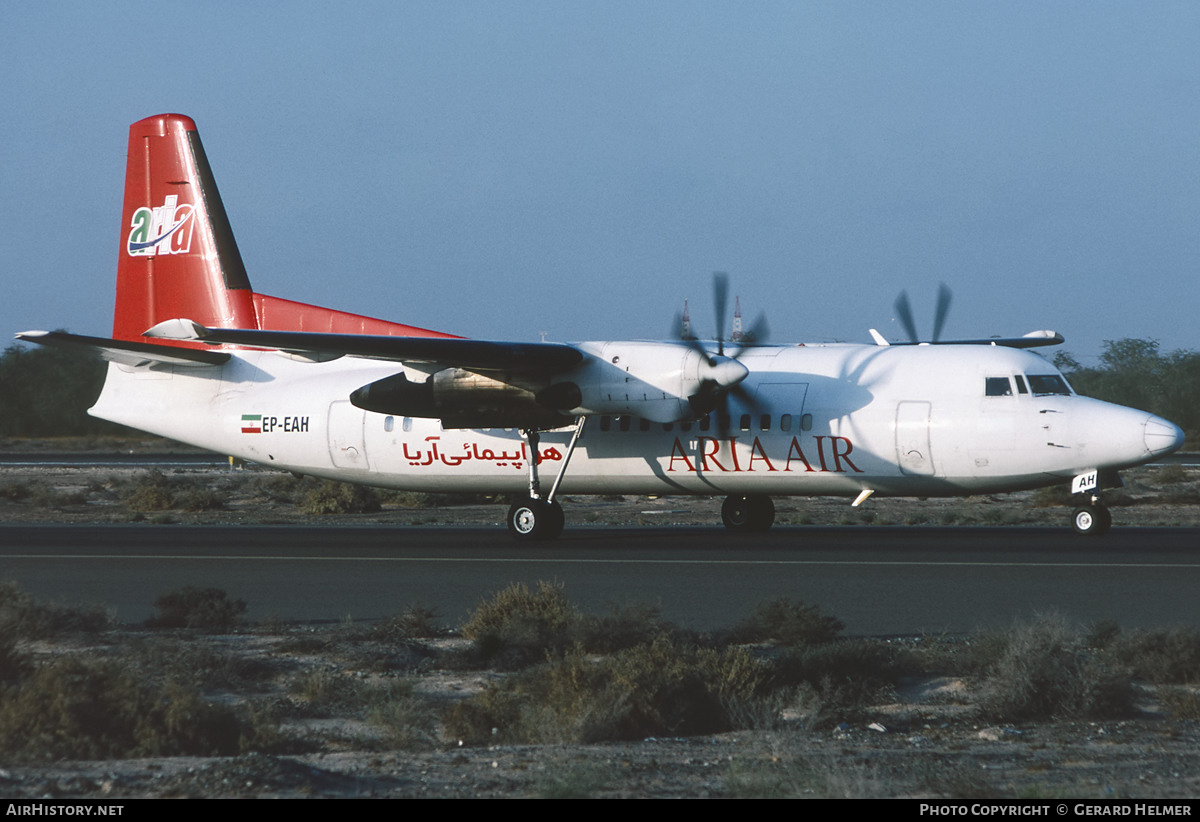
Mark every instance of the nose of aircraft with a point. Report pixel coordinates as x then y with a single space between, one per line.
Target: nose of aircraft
1162 436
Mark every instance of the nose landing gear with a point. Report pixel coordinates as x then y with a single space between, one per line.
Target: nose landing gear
1092 520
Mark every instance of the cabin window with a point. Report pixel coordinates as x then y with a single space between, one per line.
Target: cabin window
1044 385
806 422
406 424
785 422
998 387
706 422
605 423
723 422
764 422
685 426
389 424
643 424
623 423
744 422
668 426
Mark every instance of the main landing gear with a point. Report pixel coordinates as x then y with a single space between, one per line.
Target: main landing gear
536 519
748 514
541 517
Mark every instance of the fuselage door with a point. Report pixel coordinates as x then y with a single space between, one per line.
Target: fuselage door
347 447
913 453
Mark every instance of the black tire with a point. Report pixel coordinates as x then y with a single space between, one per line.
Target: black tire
747 514
535 519
1091 520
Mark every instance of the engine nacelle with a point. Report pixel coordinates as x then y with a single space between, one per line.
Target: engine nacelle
460 399
662 382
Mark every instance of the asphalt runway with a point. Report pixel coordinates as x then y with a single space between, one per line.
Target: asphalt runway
880 581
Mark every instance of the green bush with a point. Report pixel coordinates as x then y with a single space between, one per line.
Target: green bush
206 609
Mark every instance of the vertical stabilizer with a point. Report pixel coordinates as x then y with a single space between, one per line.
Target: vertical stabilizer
178 257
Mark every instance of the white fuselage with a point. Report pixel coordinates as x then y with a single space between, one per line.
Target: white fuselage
825 420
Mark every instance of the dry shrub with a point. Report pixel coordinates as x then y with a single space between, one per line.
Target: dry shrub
1045 669
659 688
199 498
83 709
625 627
205 609
804 777
1159 655
784 622
836 681
407 721
14 663
152 491
417 621
1180 703
517 626
1172 474
323 692
1053 496
23 617
332 497
193 664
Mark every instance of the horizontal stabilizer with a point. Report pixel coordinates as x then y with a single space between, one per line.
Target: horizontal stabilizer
472 355
127 352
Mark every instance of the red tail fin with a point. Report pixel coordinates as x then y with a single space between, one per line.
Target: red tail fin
179 259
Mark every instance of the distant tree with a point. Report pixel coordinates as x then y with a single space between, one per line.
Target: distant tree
45 392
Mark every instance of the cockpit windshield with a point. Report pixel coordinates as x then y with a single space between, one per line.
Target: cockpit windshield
1043 385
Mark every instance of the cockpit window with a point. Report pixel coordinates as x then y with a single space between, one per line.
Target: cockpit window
998 387
1046 384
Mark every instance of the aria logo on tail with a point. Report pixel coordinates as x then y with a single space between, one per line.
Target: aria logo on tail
163 230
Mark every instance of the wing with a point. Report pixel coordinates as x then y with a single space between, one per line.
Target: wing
480 356
1034 339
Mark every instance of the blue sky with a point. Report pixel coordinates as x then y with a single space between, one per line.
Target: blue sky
500 170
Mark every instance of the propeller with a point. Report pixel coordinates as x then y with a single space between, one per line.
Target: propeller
904 313
725 373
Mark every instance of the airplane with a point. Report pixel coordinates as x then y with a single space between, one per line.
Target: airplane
198 356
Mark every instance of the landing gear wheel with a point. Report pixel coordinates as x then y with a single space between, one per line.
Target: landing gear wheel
535 519
752 513
1092 520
